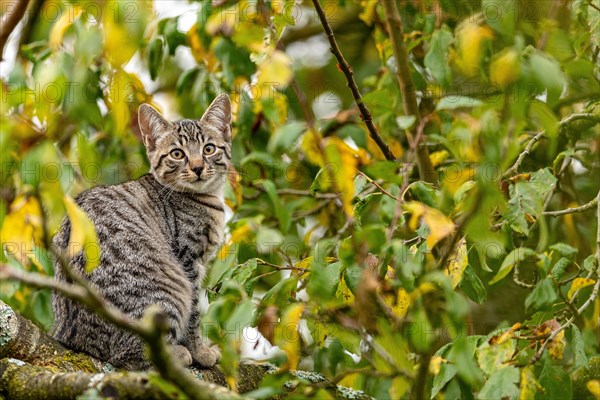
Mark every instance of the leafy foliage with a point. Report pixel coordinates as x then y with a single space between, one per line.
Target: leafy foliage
353 266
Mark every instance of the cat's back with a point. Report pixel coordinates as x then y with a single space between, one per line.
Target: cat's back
126 213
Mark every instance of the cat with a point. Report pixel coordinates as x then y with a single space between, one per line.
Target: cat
156 235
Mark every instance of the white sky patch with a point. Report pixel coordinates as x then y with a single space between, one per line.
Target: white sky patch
310 53
326 105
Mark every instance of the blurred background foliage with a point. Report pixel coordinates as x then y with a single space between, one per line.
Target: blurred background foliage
332 252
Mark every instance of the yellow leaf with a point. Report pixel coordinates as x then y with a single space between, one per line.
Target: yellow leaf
343 292
399 303
400 385
423 288
438 157
369 12
225 20
439 225
118 46
505 68
83 235
435 364
471 38
276 71
287 336
351 380
60 27
594 387
529 384
310 147
344 161
507 335
557 346
238 235
579 283
119 104
22 229
458 263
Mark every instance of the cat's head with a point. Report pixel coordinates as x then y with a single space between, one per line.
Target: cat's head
189 155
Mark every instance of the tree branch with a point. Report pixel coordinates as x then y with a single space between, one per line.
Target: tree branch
347 70
407 88
523 154
561 125
572 210
10 23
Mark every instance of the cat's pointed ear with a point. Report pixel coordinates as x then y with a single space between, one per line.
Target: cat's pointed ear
152 125
218 115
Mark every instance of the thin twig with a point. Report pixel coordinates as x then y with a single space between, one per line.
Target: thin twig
523 154
10 23
407 88
561 125
301 192
379 186
347 70
572 210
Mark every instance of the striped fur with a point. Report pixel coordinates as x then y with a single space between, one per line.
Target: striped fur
156 235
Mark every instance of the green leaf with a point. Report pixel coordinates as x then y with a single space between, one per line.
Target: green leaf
578 347
242 317
462 355
281 211
355 133
513 258
42 308
458 101
244 271
280 293
447 372
389 171
472 286
352 277
436 59
186 80
324 281
267 240
406 121
527 199
589 264
548 75
424 192
501 385
493 357
556 382
155 57
559 268
565 250
286 136
543 295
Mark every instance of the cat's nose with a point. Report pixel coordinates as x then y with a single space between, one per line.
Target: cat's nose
198 170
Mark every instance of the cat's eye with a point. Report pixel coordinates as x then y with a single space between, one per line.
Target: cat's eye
177 154
209 149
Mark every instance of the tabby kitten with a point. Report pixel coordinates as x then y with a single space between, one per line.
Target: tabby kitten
156 235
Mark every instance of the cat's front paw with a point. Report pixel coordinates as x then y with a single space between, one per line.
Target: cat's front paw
206 356
183 355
